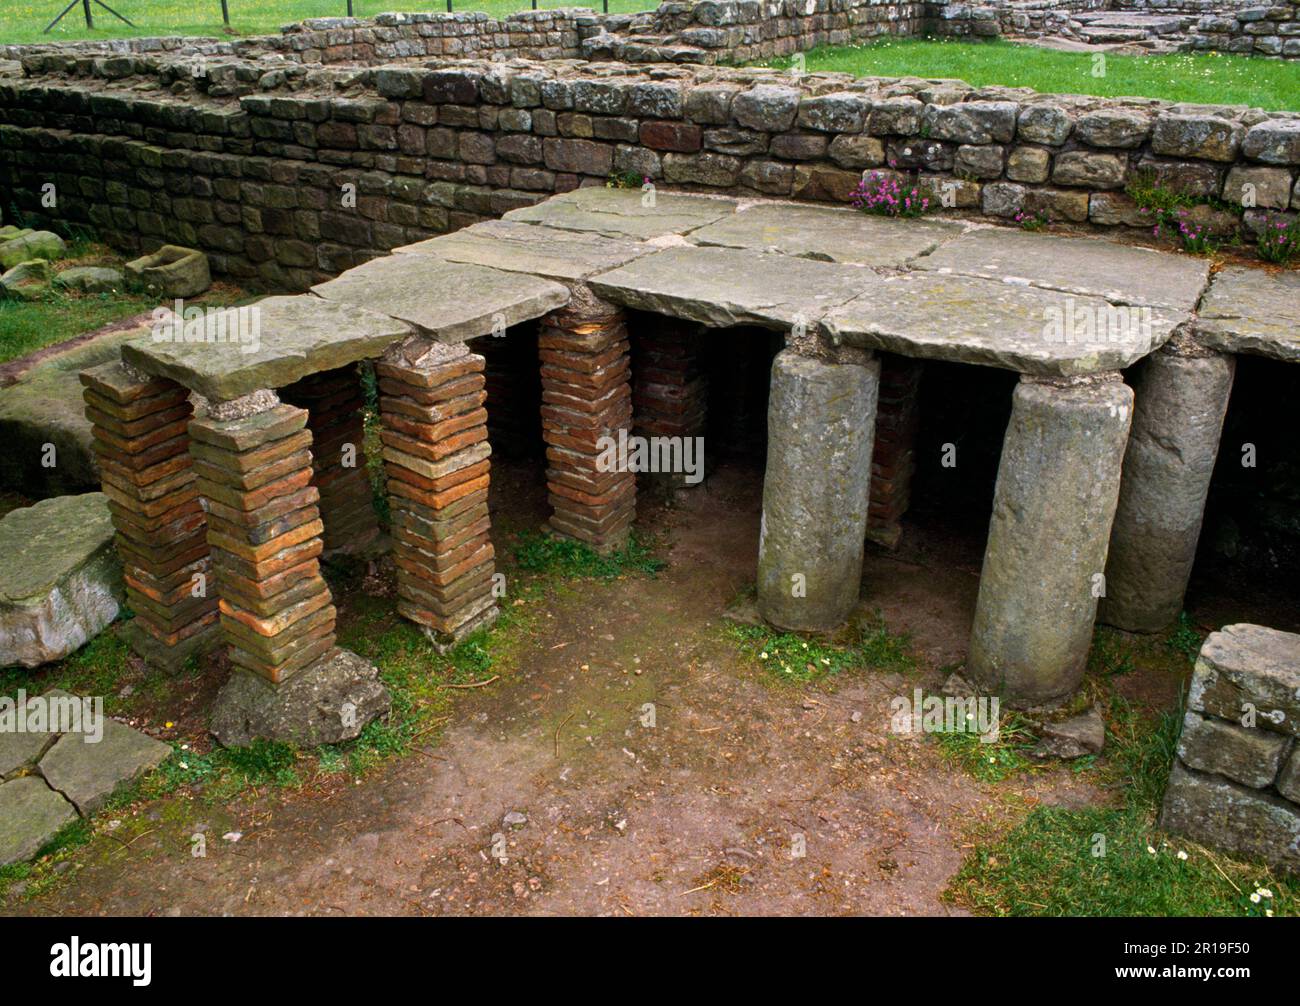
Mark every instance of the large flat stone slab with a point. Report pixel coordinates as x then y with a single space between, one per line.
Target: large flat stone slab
722 287
286 339
448 301
531 248
1120 273
30 815
20 748
60 579
827 234
87 772
982 321
625 213
1252 311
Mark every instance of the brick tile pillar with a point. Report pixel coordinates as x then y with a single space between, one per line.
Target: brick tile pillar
893 460
139 430
670 392
587 395
436 457
334 405
264 530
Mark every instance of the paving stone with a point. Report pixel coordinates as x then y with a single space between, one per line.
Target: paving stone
827 234
1250 310
529 248
60 580
30 815
722 287
971 320
1121 273
296 336
19 749
622 213
448 301
88 773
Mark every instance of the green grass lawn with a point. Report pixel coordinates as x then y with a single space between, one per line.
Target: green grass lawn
25 20
1209 77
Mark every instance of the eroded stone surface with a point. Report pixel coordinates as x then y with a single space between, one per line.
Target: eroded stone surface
449 301
827 234
1058 481
1253 666
624 213
1229 816
88 772
985 321
1252 311
60 579
30 815
821 423
295 336
326 703
1117 272
533 249
722 287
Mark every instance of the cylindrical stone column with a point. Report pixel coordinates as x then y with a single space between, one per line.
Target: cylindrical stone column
1057 487
1182 396
669 390
436 456
334 405
820 425
139 430
253 461
586 403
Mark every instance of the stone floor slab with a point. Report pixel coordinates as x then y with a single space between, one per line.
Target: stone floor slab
447 301
30 815
722 287
625 213
21 749
1252 311
1120 273
530 248
87 773
827 234
286 339
997 324
60 578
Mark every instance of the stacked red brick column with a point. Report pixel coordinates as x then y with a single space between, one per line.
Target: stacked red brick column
893 459
264 530
139 429
670 392
436 457
587 396
334 404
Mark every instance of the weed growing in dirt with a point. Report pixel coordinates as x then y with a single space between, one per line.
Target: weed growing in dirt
791 657
1185 639
991 761
539 553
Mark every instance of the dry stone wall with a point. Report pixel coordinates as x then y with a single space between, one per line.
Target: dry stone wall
290 180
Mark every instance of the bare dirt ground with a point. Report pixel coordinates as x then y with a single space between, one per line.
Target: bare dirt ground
701 813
